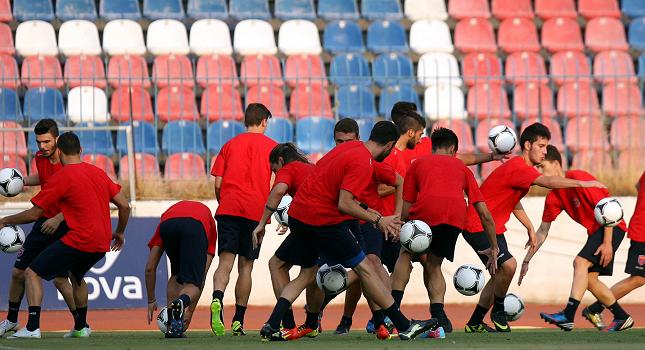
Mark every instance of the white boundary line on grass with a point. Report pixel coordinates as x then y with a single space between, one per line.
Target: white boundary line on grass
2 347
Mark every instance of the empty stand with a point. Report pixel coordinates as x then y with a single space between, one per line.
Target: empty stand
395 93
269 95
84 70
120 9
8 72
475 35
504 9
216 70
488 101
559 34
221 102
41 71
182 136
305 69
96 141
220 132
173 70
392 69
295 9
438 68
167 37
40 103
249 9
87 104
518 34
386 37
633 8
297 37
210 37
76 9
463 131
79 37
613 66
637 33
6 40
586 133
131 103
355 101
315 134
254 37
627 133
481 67
5 11
594 161
348 69
605 33
444 102
578 99
176 103
337 9
570 66
184 166
200 9
163 9
10 106
598 8
12 142
128 70
430 35
123 37
102 162
13 161
36 38
381 9
145 165
310 100
622 99
461 9
523 67
280 130
26 10
261 69
555 8
425 9
531 100
343 36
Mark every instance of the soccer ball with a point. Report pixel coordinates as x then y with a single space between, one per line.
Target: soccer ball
282 212
513 306
162 320
11 182
332 279
501 139
11 239
608 212
469 279
415 236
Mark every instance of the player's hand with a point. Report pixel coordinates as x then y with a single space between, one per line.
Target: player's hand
531 244
152 307
390 225
606 252
50 226
491 253
118 240
257 236
594 183
281 229
523 271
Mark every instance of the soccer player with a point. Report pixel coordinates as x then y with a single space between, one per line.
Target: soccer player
596 258
242 184
83 193
338 178
503 190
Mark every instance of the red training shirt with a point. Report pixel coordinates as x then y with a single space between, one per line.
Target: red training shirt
192 210
293 175
637 223
45 170
422 149
382 174
396 160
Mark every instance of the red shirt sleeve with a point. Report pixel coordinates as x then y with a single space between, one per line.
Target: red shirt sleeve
155 241
472 189
410 188
524 177
552 207
385 174
114 188
284 176
220 162
51 194
357 177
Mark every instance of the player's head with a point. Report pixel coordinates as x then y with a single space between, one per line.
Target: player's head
256 115
284 154
384 134
46 131
400 109
345 130
552 163
411 126
70 148
444 141
533 141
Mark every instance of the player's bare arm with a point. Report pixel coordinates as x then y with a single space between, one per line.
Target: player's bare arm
276 194
489 228
123 207
541 235
480 158
30 215
385 190
389 225
553 182
218 187
31 180
51 225
398 196
151 279
520 214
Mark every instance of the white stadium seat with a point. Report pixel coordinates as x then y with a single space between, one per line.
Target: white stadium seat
430 35
87 104
437 68
79 37
167 36
444 102
426 9
254 37
35 38
210 37
299 37
123 37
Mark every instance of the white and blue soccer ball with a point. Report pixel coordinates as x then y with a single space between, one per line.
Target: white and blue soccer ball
162 320
502 139
332 279
469 279
281 214
415 236
11 239
608 212
11 182
513 306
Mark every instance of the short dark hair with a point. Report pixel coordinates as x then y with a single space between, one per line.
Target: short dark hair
443 138
384 132
255 113
553 154
410 120
400 109
533 132
289 153
69 144
45 126
347 126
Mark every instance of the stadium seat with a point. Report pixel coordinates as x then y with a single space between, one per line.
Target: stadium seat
280 130
425 9
76 9
254 37
176 103
36 38
123 37
249 9
295 9
463 131
637 33
10 106
337 9
444 102
483 127
438 68
6 40
102 162
348 69
531 100
392 94
27 10
343 36
310 100
212 9
8 72
40 103
315 134
586 133
220 132
173 70
605 33
622 99
96 141
84 70
392 69
216 70
355 101
627 133
87 104
523 67
631 162
13 161
475 35
633 8
598 8
614 66
131 103
79 37
560 34
182 136
488 167
504 9
430 35
120 9
271 96
261 69
163 9
166 37
578 99
146 166
41 71
547 9
381 10
12 142
184 166
518 34
297 37
221 102
595 162
570 66
461 9
481 67
5 11
488 101
365 126
554 127
210 37
128 71
386 37
305 69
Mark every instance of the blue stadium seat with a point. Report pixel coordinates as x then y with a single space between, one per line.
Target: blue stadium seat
163 9
365 126
381 9
200 9
343 36
394 93
43 103
96 141
637 33
280 130
26 10
641 66
633 8
10 106
348 69
76 9
144 136
393 69
337 9
315 134
182 136
250 9
120 9
355 101
295 9
220 132
387 36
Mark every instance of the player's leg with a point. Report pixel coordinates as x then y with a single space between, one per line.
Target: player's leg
279 271
605 296
228 243
352 296
16 292
66 289
401 275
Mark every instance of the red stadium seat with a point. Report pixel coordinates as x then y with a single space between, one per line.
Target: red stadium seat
554 127
614 66
184 166
261 70
598 8
523 67
216 70
504 9
488 167
627 133
560 34
622 99
605 33
13 161
569 67
221 102
531 100
84 70
518 34
5 11
271 96
475 35
146 166
8 72
482 129
40 71
308 69
103 162
483 67
463 131
133 101
488 101
596 162
314 157
12 142
173 70
586 133
631 162
176 103
128 70
6 40
555 8
578 99
460 9
310 100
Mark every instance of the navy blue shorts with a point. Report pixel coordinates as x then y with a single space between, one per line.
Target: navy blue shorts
186 245
635 265
234 236
593 242
36 242
373 239
60 259
390 254
444 239
479 241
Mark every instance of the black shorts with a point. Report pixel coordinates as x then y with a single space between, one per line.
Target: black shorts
444 239
186 245
36 241
390 253
373 239
60 259
234 236
636 259
479 241
593 242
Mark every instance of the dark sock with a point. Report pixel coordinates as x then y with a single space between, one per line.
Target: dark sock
288 321
596 307
278 312
618 311
327 300
185 299
378 318
312 320
400 321
218 294
12 314
570 309
346 320
478 315
498 305
74 316
398 297
239 313
34 318
81 320
436 310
